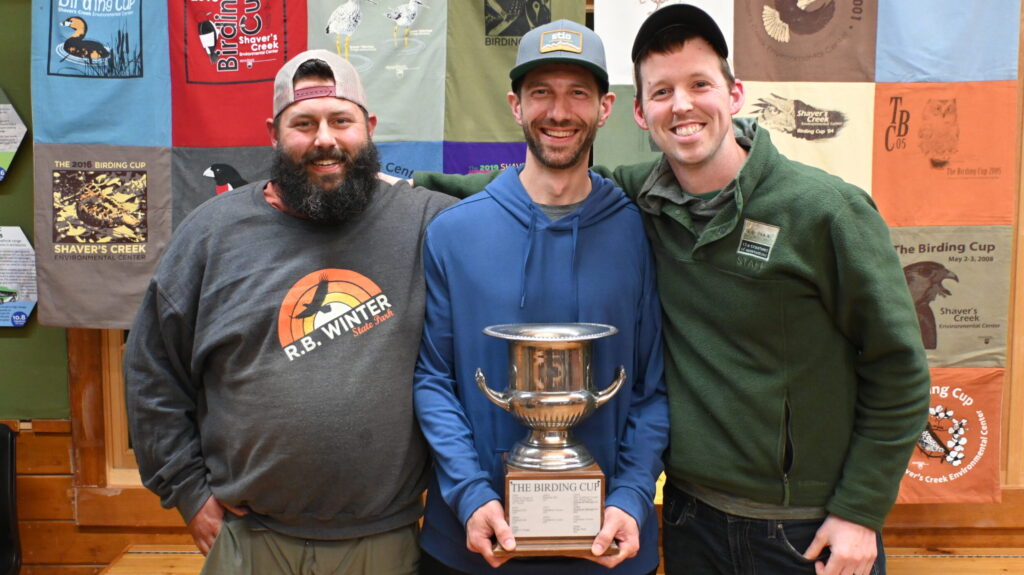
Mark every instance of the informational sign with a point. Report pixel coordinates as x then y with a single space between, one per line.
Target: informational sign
18 293
12 131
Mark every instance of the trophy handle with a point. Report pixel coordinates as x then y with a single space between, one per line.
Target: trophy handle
603 396
499 399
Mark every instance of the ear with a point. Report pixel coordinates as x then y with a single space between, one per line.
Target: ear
638 114
371 124
271 132
737 98
607 101
517 107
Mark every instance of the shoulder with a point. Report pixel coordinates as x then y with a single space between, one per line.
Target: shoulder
403 193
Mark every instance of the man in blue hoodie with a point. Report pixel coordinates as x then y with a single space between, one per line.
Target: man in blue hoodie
546 242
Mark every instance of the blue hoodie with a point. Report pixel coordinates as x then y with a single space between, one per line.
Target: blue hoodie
496 258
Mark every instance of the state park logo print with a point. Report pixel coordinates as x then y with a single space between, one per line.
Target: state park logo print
328 305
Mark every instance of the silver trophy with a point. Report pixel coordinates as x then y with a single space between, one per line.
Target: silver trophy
550 390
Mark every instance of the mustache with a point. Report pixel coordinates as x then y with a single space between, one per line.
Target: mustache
335 154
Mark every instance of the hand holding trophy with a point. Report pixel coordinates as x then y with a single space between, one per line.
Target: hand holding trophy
554 489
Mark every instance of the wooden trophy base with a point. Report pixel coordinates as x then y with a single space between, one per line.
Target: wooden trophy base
554 513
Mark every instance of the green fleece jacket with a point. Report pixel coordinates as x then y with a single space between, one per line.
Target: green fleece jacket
795 369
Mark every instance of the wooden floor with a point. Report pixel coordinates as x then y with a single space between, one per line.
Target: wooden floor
157 560
186 560
956 561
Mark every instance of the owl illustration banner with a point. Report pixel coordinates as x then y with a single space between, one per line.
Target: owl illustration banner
945 153
957 277
956 456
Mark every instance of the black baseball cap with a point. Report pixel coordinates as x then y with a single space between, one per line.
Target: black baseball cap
682 15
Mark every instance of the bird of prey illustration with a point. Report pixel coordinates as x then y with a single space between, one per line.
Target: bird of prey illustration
798 118
208 37
316 305
226 177
76 45
925 282
404 15
783 18
344 21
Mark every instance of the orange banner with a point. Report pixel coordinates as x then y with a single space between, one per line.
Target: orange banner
956 459
944 153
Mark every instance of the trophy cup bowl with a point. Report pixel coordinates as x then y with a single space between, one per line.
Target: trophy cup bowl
550 389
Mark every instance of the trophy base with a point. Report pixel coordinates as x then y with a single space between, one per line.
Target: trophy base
554 513
553 547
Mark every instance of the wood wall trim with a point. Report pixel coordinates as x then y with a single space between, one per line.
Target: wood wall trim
86 394
123 507
1009 514
1013 390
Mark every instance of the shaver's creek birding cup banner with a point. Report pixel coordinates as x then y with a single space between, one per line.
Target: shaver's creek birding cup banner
224 57
102 218
973 44
99 72
822 126
945 153
816 41
956 458
957 277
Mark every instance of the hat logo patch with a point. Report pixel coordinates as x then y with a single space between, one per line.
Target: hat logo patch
561 41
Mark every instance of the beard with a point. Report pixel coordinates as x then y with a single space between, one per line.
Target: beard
330 202
549 159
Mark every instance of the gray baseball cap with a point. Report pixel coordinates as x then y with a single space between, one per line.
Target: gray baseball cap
346 81
561 41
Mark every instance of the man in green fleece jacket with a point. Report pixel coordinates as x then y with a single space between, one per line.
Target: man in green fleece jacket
797 380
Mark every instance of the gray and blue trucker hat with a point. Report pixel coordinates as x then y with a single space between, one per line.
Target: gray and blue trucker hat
561 41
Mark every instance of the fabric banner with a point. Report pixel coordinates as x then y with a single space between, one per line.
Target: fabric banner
819 125
617 21
472 158
957 278
483 38
102 217
398 47
820 41
224 56
917 53
96 77
403 158
202 173
945 153
957 456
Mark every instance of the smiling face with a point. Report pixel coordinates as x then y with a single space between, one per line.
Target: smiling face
322 134
687 104
560 108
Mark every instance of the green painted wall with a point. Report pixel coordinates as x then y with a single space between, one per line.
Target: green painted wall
33 359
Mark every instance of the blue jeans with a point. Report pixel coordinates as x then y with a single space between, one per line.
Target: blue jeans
698 539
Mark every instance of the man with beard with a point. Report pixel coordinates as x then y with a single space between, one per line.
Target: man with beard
543 243
269 369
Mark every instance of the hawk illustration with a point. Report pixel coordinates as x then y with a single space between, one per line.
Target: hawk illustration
925 282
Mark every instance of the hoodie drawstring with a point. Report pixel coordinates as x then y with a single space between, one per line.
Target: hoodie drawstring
526 259
572 266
